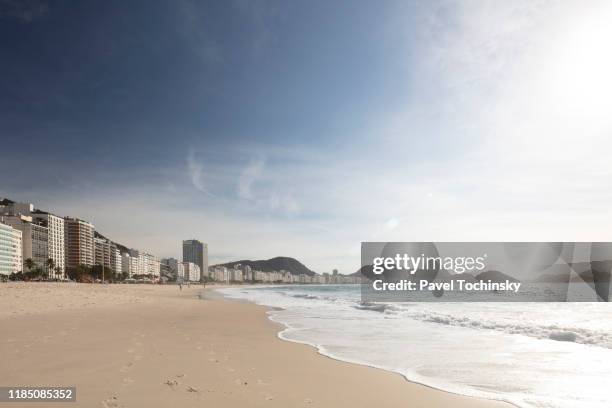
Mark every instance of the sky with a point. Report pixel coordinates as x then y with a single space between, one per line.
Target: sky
285 128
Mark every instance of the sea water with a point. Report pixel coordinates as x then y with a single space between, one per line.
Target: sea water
554 355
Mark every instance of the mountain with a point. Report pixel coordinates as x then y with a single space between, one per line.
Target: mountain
292 265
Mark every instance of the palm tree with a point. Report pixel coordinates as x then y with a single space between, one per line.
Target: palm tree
58 271
29 263
50 265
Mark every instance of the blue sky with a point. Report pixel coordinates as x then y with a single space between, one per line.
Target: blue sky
303 128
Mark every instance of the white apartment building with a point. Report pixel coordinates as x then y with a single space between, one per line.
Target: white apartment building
219 273
131 265
151 264
116 261
191 272
180 271
55 231
10 250
137 262
34 239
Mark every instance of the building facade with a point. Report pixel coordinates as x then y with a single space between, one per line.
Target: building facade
79 243
34 240
196 252
131 264
191 272
102 253
170 268
55 241
151 264
10 250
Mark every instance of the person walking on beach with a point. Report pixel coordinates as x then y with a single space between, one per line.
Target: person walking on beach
181 286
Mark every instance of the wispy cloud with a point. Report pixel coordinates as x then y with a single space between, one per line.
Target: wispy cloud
249 175
196 172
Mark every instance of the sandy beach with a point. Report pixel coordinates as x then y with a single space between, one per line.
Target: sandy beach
156 346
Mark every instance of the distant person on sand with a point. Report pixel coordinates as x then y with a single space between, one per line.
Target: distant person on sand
180 286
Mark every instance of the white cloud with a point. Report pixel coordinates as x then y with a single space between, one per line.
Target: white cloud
249 175
196 172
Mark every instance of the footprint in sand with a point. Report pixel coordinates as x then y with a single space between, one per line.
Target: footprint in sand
126 367
112 403
171 383
191 389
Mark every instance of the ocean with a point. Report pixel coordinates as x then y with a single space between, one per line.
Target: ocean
552 355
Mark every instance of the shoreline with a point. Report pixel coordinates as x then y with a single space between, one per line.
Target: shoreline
149 346
284 327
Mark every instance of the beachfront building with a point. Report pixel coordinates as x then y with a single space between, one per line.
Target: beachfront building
235 275
129 264
116 262
55 238
34 240
79 243
167 268
219 273
191 272
135 262
151 264
196 252
172 269
34 233
107 254
10 250
180 271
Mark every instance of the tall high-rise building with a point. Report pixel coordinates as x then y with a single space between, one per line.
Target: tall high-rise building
102 252
55 242
79 241
107 254
116 261
10 250
196 252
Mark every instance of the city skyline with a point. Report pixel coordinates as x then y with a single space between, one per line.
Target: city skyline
293 129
